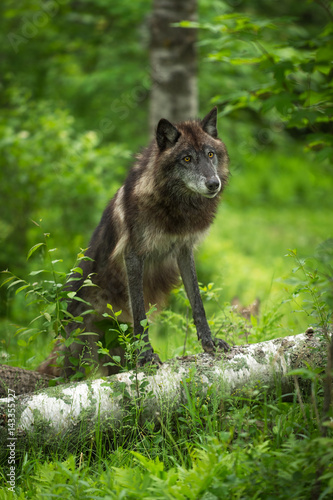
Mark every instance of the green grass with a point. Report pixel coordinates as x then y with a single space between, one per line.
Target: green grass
245 448
246 252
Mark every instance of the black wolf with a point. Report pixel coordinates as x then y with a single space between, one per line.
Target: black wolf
147 232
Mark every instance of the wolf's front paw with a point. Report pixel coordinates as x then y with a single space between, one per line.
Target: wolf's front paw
222 345
149 357
210 346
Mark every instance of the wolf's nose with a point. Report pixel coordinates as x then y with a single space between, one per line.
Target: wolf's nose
213 184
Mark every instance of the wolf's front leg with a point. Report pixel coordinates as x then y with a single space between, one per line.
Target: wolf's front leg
134 267
187 270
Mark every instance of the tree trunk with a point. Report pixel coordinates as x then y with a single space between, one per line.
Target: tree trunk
173 57
109 404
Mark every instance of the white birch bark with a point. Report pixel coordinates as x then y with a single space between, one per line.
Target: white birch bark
63 409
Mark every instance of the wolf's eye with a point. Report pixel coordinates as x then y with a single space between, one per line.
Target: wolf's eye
210 154
187 158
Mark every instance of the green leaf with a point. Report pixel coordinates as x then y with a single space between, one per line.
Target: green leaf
16 283
34 273
78 270
74 361
21 288
47 316
103 350
110 364
69 341
281 102
248 60
88 311
116 359
33 249
111 339
78 375
8 280
75 297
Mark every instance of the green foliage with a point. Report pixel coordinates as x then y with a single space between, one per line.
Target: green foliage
44 293
287 66
263 450
81 63
57 175
52 167
57 118
121 334
314 279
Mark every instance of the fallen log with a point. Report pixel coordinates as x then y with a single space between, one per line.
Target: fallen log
21 381
69 410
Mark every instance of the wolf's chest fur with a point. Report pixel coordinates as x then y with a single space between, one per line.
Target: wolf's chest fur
154 237
156 229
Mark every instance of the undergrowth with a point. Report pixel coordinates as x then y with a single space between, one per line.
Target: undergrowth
248 446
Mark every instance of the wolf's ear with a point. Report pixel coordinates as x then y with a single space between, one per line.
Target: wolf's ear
209 123
166 134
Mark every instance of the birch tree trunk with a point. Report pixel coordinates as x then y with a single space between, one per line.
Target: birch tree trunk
109 403
173 58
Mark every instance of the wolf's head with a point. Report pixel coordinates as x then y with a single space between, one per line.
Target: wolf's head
193 155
